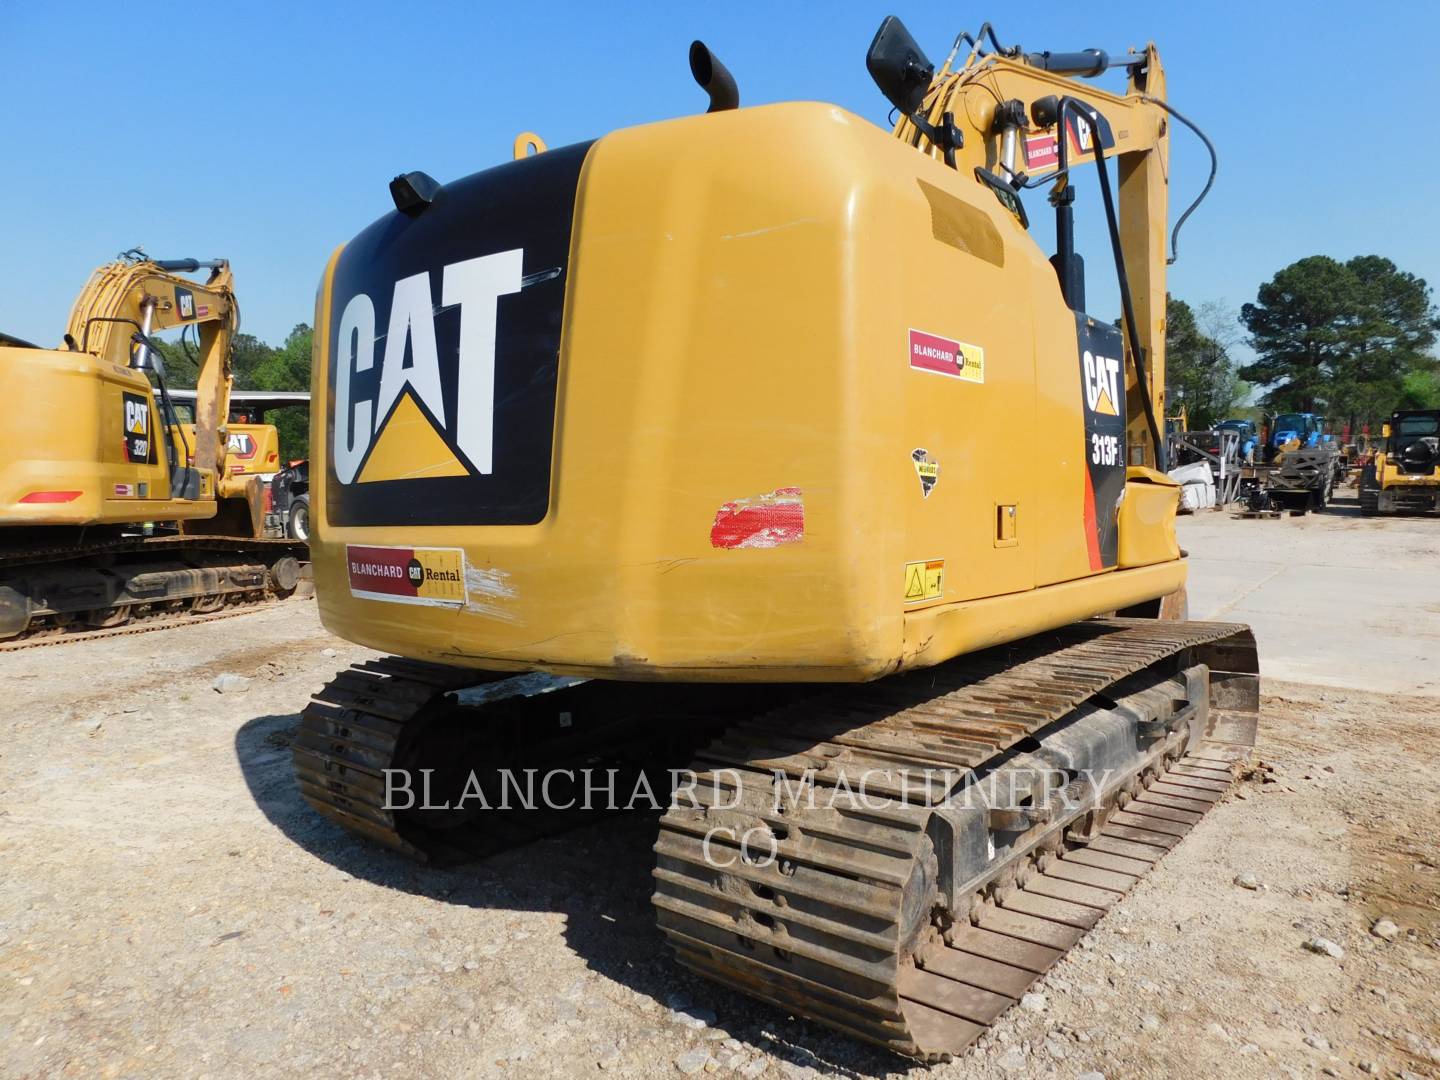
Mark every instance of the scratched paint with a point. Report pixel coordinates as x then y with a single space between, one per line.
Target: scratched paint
761 521
769 229
486 592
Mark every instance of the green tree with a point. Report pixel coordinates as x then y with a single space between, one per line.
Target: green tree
288 368
1199 373
180 370
1338 337
1420 389
247 354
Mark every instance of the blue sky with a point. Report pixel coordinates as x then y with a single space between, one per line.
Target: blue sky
267 132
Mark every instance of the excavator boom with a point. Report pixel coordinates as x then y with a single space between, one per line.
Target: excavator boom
148 297
1023 122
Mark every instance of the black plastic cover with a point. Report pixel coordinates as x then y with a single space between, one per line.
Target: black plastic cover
899 66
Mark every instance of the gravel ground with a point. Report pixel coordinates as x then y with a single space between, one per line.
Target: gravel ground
170 907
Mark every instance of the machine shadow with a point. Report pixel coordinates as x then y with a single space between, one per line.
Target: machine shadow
1343 506
597 876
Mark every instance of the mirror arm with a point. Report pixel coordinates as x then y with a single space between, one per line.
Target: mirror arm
945 135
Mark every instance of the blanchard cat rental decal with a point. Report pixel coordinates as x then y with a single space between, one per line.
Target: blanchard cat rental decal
431 576
942 356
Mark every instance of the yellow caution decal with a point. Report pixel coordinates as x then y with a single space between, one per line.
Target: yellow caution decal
924 580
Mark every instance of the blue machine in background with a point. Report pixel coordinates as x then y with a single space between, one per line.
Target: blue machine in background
1249 436
1305 427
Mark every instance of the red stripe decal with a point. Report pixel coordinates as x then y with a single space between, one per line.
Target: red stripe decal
52 496
1092 527
763 521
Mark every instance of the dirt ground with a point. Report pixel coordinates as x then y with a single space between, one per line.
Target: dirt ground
170 907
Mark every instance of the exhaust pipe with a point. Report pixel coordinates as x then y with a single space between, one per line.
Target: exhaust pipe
714 78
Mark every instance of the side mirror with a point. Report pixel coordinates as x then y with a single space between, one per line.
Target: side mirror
898 66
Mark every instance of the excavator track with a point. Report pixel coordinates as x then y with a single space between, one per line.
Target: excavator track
440 726
821 857
879 858
138 625
63 590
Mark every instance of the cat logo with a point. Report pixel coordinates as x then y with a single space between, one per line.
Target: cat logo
136 439
185 303
402 429
240 445
1101 383
137 417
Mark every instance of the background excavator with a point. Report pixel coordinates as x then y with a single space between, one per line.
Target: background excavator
111 508
717 418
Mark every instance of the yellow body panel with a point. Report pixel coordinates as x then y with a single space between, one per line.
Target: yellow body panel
1147 519
67 434
1390 476
740 293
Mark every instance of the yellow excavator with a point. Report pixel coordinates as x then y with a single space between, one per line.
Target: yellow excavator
111 509
727 422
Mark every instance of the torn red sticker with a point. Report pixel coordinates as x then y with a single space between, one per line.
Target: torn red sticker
1041 151
762 521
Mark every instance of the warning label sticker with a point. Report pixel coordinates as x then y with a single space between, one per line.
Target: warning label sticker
432 576
930 352
924 580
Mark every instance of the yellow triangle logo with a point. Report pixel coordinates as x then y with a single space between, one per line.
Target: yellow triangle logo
915 584
1105 405
409 448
